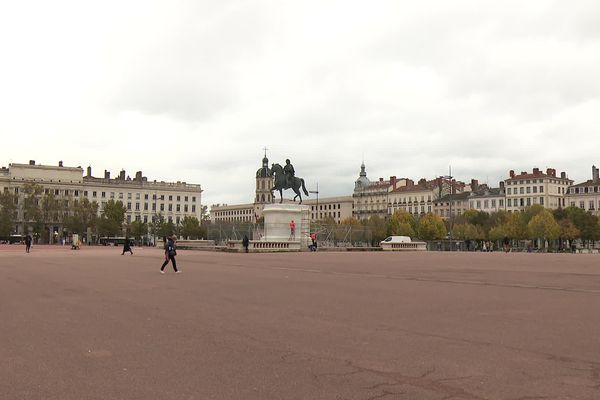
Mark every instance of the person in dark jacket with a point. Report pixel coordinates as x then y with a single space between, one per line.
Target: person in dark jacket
245 243
127 246
28 241
170 253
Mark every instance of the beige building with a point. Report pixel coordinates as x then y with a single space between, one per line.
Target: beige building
143 199
232 213
526 189
372 198
338 208
419 199
585 195
486 199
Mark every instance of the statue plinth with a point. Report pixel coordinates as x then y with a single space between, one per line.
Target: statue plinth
277 223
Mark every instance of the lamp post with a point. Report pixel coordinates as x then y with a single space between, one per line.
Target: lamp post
317 193
449 178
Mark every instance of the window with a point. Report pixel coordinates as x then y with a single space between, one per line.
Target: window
478 203
185 208
508 191
120 195
170 198
521 190
591 205
581 204
77 193
170 207
528 189
56 191
137 206
112 195
178 208
193 208
178 198
528 201
535 189
154 207
541 189
93 194
146 197
162 207
185 198
177 220
129 219
493 203
486 204
522 202
501 202
129 205
128 196
145 219
145 206
137 196
162 197
194 199
103 195
85 193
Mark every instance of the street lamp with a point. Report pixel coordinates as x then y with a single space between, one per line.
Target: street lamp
317 193
449 178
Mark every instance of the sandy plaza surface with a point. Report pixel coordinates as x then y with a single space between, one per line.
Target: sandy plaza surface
93 324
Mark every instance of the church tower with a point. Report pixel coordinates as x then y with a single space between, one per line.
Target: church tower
264 183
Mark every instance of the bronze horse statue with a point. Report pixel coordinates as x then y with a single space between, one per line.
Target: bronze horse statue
281 183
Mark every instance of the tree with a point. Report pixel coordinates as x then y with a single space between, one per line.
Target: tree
468 232
8 209
111 221
378 228
32 213
190 227
138 229
498 233
431 227
516 228
568 230
585 222
543 226
401 223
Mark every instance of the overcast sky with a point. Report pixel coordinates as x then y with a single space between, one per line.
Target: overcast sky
193 90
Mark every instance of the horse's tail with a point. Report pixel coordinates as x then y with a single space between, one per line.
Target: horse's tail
303 187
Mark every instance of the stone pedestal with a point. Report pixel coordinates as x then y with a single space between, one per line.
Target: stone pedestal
277 223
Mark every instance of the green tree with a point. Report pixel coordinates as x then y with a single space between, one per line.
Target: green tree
585 222
431 227
401 223
468 231
8 209
138 229
568 229
543 226
516 228
32 213
498 233
190 227
378 228
111 221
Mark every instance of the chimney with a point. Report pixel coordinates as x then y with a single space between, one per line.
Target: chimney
60 164
410 182
380 179
106 174
536 171
393 181
422 181
122 175
523 172
31 162
89 171
595 173
549 171
138 176
502 185
511 173
563 175
474 184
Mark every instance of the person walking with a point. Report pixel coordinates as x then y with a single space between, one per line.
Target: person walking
127 246
245 243
170 253
28 241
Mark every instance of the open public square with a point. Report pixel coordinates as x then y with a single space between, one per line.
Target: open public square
93 324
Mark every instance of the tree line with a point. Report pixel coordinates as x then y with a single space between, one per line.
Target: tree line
534 223
42 209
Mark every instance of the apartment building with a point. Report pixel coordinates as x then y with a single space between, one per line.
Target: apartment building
143 199
585 195
526 189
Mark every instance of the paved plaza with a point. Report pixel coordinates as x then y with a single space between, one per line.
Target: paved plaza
92 324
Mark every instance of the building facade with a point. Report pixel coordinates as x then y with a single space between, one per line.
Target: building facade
585 195
338 208
527 189
144 200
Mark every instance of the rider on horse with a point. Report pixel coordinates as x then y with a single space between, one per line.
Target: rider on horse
289 172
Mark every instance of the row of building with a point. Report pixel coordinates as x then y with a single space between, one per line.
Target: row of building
143 199
443 196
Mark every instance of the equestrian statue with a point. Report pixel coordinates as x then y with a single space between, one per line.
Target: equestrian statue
285 179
